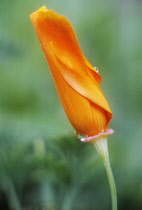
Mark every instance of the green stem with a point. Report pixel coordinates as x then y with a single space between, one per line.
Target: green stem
102 148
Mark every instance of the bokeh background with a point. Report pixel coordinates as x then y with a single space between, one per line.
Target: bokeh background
42 164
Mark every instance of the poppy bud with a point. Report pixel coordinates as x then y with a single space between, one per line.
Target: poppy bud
76 81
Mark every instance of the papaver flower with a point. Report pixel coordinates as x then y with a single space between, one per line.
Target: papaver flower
76 80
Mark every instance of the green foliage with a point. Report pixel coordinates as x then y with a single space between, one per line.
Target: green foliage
40 173
42 166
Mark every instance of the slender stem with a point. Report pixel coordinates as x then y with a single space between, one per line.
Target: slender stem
111 182
102 148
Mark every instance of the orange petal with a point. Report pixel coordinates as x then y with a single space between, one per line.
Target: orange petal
86 117
83 85
92 72
57 30
75 79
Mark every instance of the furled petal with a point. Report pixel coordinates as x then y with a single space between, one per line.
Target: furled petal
75 79
57 30
83 84
85 116
92 72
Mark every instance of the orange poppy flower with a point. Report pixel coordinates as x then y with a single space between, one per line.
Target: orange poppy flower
75 79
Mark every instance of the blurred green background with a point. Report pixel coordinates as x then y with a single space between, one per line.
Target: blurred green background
42 164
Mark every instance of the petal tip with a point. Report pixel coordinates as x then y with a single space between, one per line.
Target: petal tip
42 9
